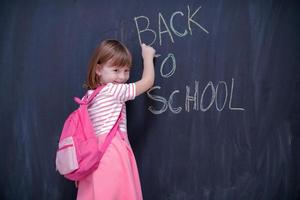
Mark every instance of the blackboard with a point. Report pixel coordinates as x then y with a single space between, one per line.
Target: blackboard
220 123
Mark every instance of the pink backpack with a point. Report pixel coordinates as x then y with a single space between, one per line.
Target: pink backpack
78 154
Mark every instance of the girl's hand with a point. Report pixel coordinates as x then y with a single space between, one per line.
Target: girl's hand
147 52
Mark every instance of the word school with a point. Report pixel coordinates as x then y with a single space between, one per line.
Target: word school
210 89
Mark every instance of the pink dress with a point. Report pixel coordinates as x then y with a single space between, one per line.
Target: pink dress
117 176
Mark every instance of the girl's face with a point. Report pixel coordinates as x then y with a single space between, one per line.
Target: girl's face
113 74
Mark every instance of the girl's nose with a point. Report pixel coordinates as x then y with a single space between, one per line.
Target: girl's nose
122 75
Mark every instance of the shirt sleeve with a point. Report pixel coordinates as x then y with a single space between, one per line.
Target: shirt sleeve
122 92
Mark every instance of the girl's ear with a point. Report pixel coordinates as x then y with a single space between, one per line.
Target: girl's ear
98 69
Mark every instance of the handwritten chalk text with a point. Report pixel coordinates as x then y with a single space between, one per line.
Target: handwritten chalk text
142 24
218 95
194 99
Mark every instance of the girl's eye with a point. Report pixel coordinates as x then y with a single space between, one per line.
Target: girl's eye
116 70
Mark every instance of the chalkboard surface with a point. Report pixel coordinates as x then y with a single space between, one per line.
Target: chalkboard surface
220 123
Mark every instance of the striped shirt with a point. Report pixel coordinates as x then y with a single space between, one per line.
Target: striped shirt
105 108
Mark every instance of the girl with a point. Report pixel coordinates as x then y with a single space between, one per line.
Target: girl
117 175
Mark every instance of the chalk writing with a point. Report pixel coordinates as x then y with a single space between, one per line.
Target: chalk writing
167 103
216 93
172 71
142 24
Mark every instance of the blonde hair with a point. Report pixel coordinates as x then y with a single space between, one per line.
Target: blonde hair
111 51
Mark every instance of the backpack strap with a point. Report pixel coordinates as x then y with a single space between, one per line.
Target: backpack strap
96 91
111 134
86 100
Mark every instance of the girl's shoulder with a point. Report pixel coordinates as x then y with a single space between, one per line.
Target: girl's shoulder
107 89
118 86
122 92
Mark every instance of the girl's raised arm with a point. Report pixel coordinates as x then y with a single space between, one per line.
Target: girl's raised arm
147 79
